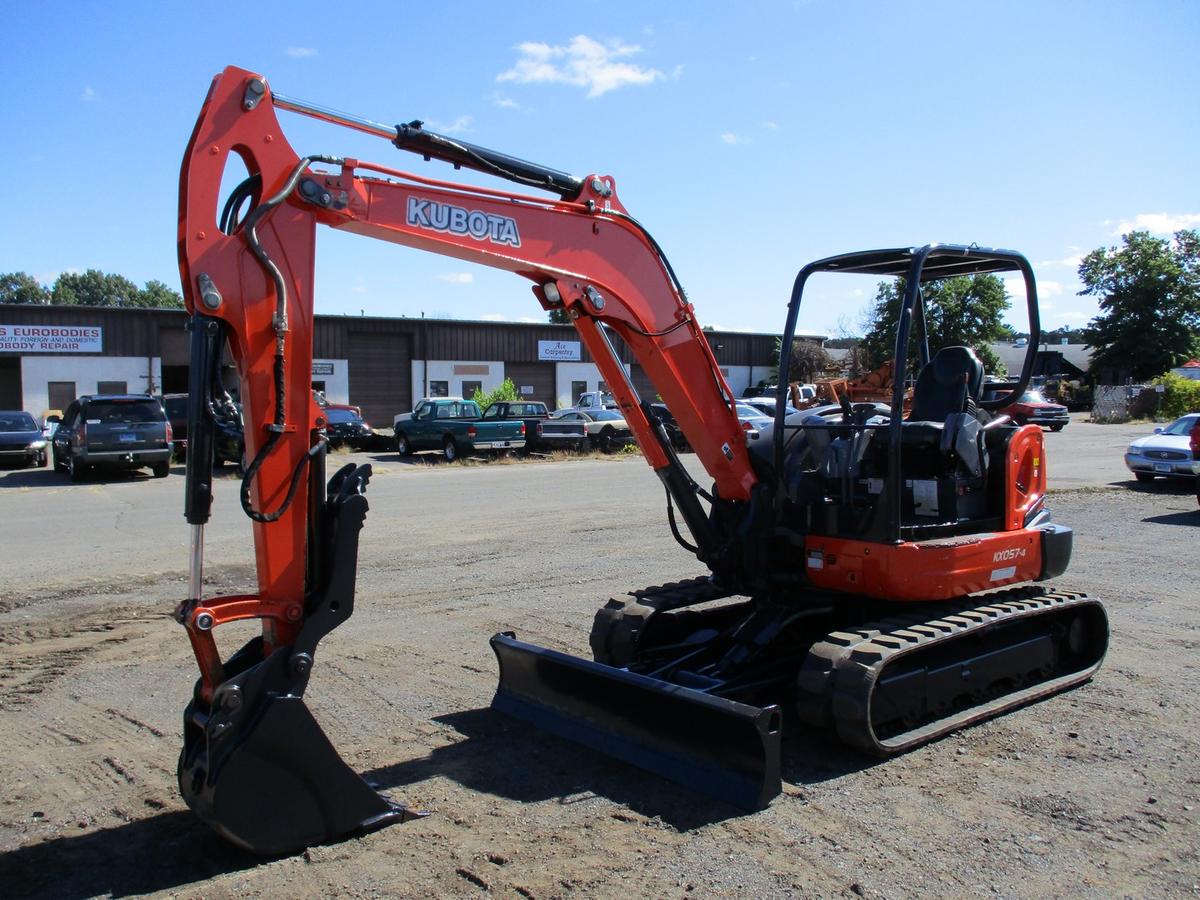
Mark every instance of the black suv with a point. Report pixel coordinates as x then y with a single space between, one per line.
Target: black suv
113 431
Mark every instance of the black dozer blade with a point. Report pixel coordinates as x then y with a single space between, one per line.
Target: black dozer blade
255 764
712 745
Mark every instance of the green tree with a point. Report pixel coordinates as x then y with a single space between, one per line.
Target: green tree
506 391
159 296
20 287
94 288
559 316
1149 294
809 361
963 311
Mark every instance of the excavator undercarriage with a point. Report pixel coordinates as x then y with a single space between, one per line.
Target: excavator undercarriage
876 570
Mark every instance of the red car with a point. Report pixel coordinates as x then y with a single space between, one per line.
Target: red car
1033 409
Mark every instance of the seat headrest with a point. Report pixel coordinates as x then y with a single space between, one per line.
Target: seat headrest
950 364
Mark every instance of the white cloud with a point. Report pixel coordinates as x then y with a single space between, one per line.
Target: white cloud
301 52
583 62
1158 223
1071 316
1067 262
734 139
505 102
89 94
771 126
1049 288
458 126
1014 286
457 278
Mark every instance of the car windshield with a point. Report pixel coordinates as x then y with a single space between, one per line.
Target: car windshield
126 411
749 412
1033 397
1182 426
17 421
341 416
605 415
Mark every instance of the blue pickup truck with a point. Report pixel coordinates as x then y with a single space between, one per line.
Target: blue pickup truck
454 427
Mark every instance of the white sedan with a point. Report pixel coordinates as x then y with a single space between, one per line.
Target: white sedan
1167 452
606 430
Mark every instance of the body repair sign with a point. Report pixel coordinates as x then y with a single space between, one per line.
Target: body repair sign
51 339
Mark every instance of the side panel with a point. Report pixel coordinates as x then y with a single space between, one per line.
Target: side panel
925 570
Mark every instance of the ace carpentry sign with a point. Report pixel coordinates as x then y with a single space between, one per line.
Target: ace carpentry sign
567 351
51 339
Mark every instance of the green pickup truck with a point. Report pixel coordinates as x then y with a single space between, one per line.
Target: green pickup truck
454 427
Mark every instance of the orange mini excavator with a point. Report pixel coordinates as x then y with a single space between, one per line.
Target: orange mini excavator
846 549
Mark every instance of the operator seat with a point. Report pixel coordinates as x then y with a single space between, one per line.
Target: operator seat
948 381
945 425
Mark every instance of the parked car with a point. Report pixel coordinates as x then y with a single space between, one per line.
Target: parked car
606 430
21 439
596 400
456 427
1031 409
542 434
113 431
345 425
229 442
1168 452
766 406
753 420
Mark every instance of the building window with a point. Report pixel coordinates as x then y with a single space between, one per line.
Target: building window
439 389
577 388
470 387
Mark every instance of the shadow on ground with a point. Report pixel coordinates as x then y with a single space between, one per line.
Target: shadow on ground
162 853
507 758
498 756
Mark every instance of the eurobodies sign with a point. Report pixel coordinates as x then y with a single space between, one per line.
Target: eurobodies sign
558 351
51 339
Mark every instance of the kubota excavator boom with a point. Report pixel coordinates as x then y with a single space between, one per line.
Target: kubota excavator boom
682 685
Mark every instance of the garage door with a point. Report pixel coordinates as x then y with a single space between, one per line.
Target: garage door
536 375
381 375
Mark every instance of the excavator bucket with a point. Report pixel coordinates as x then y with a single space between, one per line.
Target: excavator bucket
719 747
255 764
257 767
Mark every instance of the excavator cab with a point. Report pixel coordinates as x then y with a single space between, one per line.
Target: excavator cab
896 472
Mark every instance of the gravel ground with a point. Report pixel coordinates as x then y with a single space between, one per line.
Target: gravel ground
1091 792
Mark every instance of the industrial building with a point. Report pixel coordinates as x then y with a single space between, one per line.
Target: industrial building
51 354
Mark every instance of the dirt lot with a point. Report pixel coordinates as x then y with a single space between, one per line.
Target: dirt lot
1092 792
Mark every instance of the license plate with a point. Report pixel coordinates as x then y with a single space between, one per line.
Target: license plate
127 438
1162 467
501 444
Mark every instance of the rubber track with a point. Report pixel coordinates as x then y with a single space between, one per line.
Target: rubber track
619 624
837 680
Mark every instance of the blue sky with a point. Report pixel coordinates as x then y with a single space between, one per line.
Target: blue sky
749 138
